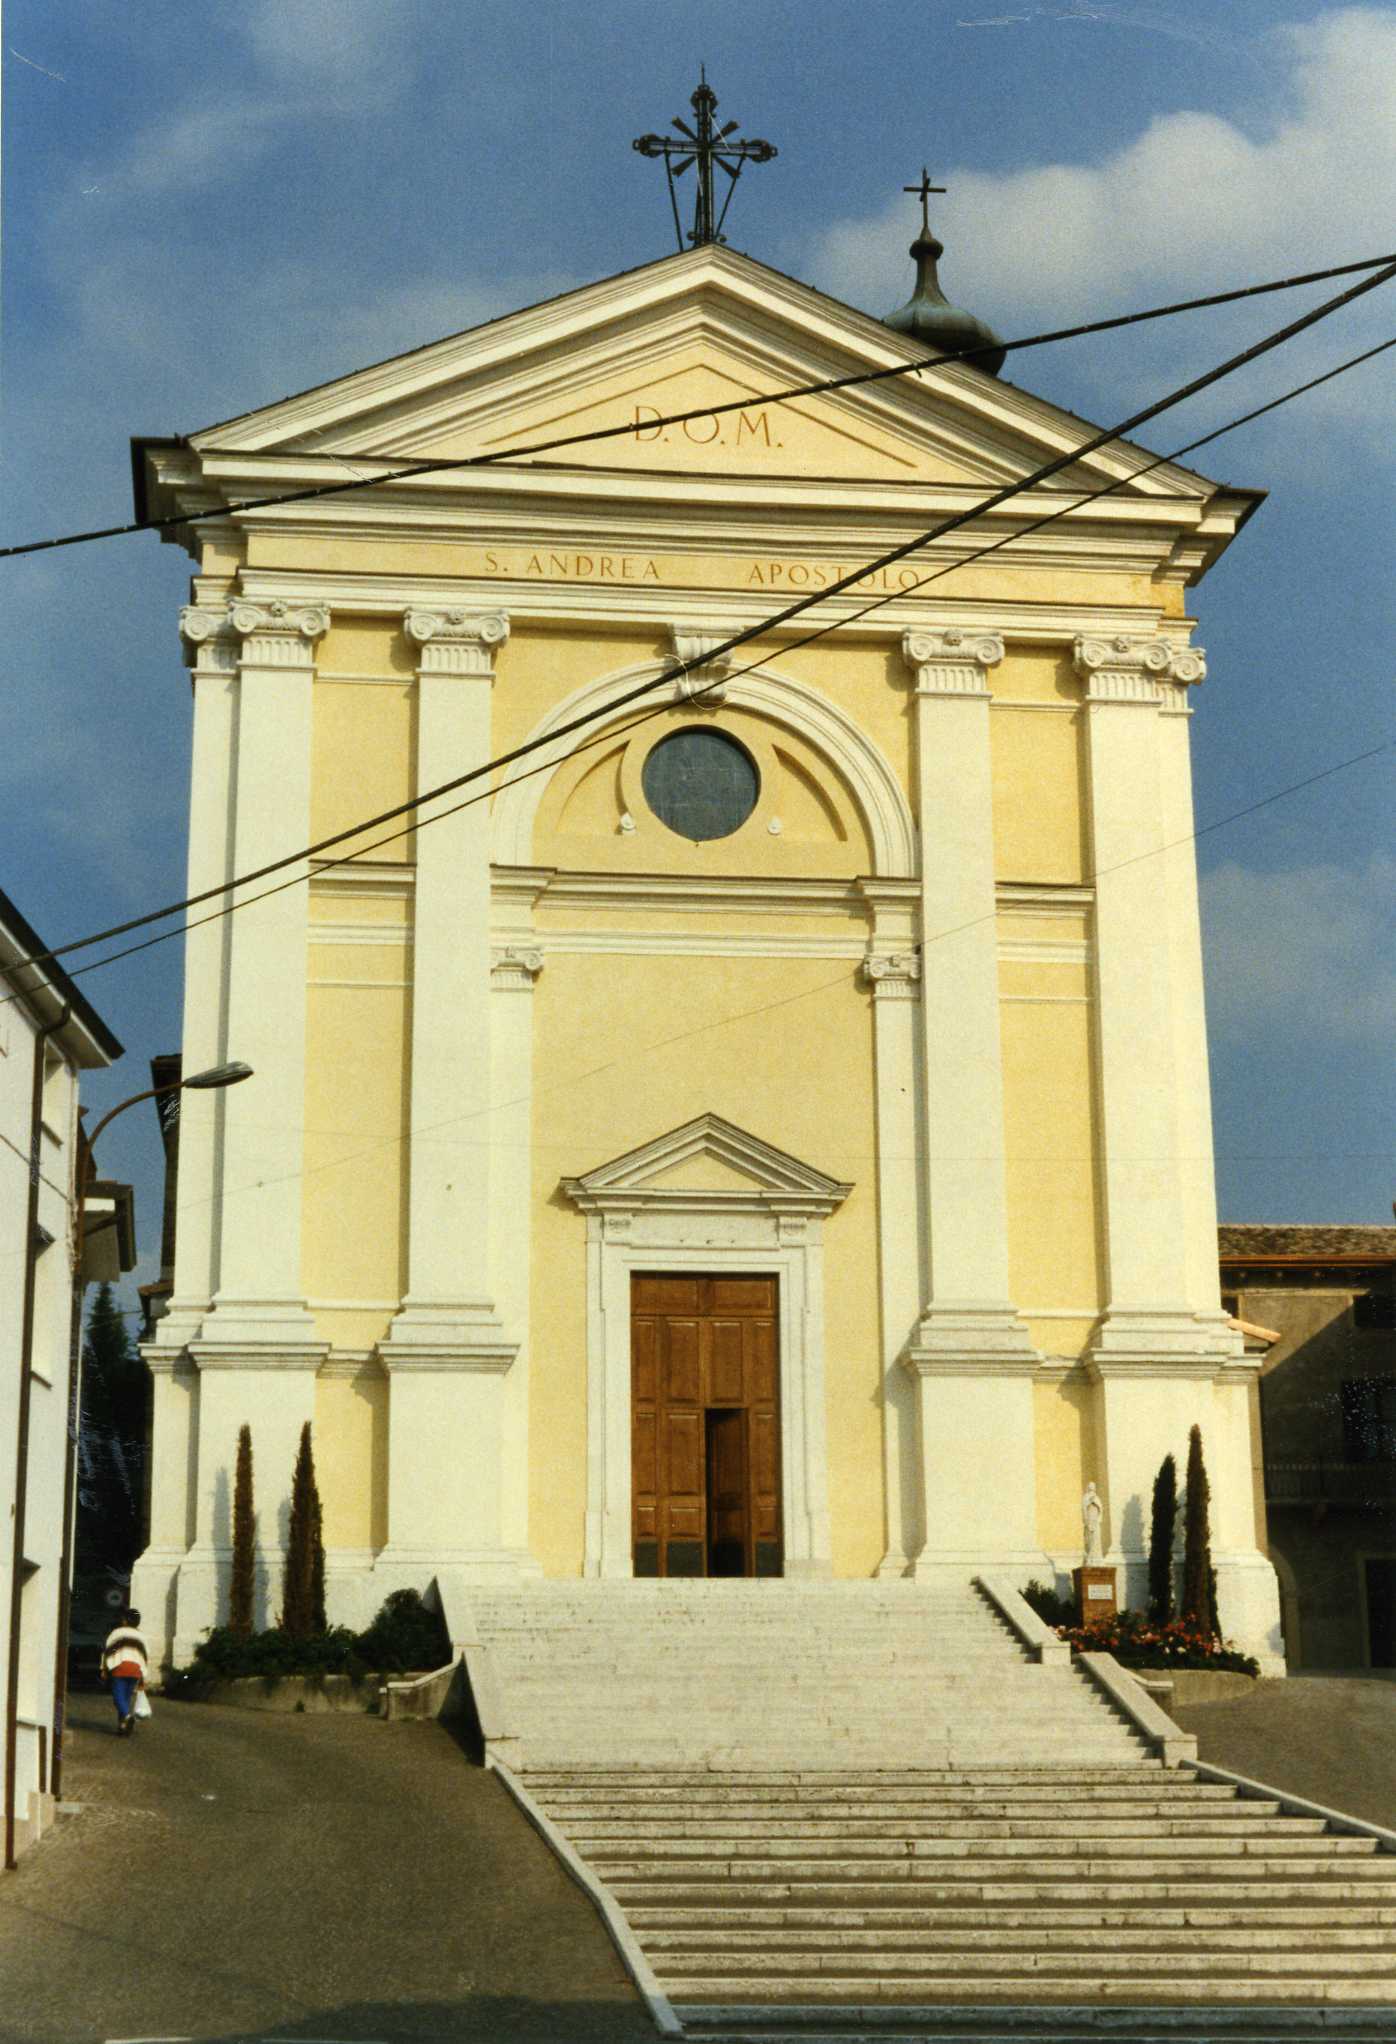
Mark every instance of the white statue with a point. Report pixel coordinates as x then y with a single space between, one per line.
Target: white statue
1091 1509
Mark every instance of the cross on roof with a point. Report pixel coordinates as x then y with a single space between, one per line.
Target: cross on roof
923 192
704 145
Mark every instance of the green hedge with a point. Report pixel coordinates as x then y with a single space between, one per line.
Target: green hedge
404 1635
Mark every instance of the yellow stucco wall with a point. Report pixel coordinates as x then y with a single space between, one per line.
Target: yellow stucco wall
628 1047
700 1033
353 1211
351 1458
1066 1458
362 751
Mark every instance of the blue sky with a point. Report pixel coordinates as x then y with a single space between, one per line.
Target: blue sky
208 206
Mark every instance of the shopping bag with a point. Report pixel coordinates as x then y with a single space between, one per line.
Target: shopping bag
142 1709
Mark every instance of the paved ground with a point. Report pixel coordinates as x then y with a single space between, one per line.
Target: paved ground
1329 1737
237 1875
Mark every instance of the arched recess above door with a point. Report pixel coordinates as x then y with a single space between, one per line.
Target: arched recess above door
808 721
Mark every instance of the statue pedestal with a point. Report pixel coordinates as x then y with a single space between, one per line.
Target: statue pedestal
1097 1599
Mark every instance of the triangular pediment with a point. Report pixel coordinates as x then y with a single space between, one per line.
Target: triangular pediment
707 1160
708 328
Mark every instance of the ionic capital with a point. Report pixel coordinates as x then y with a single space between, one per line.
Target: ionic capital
704 680
952 663
211 646
892 975
279 634
1126 670
459 642
514 968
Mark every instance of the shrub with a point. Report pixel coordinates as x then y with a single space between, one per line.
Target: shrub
1052 1609
405 1634
1161 1532
243 1588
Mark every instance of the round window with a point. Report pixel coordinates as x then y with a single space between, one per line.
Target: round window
701 783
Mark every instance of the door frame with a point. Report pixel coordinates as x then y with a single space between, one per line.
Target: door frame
774 1229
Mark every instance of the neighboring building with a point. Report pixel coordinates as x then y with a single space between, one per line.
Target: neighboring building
49 1035
1328 1411
775 1135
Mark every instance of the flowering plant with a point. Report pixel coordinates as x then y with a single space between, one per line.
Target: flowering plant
1138 1641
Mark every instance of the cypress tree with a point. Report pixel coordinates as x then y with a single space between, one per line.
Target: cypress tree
317 1567
1197 1553
243 1587
111 1422
1161 1534
298 1590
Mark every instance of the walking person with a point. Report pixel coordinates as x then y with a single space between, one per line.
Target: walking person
125 1660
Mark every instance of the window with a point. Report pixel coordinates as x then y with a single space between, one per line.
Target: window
1374 1309
701 783
1369 1419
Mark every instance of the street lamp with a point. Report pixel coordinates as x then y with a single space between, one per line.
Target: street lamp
211 1080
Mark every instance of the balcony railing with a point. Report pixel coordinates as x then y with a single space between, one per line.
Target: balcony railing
1364 1485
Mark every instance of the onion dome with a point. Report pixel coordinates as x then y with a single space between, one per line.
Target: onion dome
929 316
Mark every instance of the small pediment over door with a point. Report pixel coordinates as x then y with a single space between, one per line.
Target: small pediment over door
707 1163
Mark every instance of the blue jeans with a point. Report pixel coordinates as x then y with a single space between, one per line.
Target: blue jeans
123 1694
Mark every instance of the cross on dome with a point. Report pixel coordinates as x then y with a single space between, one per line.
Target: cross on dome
923 192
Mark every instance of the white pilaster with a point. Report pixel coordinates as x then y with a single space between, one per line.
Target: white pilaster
967 1313
449 1304
894 976
1147 1006
1179 864
174 1422
212 648
446 1351
259 1306
970 1357
514 974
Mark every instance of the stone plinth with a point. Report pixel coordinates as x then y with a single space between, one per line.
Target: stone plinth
1097 1597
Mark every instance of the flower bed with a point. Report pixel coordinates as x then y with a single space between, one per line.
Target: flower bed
1137 1641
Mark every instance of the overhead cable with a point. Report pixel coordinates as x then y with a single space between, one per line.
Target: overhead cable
495 456
611 730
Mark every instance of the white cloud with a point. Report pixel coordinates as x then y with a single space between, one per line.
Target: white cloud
1305 952
204 147
1193 203
318 59
355 52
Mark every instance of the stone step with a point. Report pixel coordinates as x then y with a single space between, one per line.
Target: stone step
1083 1781
574 1806
957 2023
967 1966
986 1857
1315 1989
1132 1939
1360 1882
952 1923
807 1755
968 1829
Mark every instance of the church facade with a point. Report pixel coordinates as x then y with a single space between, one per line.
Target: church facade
763 1128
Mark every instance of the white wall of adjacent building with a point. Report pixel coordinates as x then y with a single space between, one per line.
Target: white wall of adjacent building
32 1477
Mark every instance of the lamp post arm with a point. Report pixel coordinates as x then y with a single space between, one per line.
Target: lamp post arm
150 1093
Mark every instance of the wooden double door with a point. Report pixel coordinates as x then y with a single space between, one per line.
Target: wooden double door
705 1426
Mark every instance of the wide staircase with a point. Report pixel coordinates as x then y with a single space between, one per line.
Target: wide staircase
858 1810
